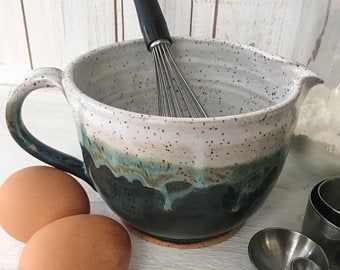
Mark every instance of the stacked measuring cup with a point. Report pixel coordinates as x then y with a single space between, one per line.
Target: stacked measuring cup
317 247
322 219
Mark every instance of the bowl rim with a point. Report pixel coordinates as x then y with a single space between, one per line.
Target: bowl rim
70 86
330 207
251 241
317 211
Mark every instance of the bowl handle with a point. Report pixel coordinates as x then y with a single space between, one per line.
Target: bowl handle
40 78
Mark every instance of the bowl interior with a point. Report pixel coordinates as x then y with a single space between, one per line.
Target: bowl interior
329 192
304 264
322 208
228 79
276 248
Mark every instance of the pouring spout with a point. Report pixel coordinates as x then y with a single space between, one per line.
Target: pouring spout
307 82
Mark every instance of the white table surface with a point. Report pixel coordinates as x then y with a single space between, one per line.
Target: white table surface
48 117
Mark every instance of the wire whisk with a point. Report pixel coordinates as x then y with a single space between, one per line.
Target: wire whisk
175 96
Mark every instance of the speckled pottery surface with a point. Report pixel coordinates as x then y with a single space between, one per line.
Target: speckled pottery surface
178 179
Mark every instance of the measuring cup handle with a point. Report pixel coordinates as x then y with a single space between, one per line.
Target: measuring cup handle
41 78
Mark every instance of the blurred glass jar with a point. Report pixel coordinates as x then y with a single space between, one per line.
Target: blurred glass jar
316 144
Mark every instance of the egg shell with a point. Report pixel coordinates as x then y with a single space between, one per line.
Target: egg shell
86 242
35 196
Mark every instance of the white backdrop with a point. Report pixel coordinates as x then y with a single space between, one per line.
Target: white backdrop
37 33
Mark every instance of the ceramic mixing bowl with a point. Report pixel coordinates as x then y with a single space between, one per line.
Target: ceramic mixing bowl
178 179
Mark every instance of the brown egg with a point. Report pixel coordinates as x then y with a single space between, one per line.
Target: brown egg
35 196
86 242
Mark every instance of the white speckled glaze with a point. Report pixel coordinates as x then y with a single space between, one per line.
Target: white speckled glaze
178 179
250 96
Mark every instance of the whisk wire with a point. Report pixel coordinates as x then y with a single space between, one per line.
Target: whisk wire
167 109
178 86
192 94
159 92
175 96
171 89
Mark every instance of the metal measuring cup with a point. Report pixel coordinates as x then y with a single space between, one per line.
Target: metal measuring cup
322 219
303 264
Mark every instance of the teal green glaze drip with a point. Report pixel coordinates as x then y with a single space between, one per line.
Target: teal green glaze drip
155 174
171 197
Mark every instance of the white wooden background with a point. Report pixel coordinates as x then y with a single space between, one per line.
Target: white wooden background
37 33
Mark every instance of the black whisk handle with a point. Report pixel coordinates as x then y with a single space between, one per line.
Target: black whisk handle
151 21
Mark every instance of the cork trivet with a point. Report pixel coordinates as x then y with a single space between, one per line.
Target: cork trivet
214 241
